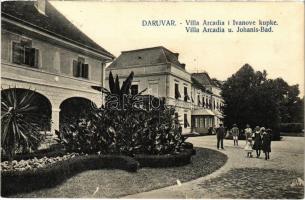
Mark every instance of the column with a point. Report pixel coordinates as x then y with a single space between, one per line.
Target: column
55 120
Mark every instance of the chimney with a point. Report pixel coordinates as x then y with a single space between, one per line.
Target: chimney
183 65
177 55
40 5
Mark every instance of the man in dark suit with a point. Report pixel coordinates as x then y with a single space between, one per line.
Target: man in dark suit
220 135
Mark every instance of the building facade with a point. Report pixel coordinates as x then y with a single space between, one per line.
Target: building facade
158 70
42 51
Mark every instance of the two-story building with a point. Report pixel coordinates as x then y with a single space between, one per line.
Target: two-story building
43 51
209 98
159 70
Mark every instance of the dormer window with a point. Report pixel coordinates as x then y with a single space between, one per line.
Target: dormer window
24 54
80 69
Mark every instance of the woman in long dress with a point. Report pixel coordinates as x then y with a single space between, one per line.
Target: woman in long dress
257 146
266 145
248 147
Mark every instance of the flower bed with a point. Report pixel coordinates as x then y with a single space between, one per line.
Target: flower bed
17 181
38 173
34 163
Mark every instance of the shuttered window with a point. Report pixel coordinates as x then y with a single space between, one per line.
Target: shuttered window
177 93
186 123
25 55
198 98
80 69
186 96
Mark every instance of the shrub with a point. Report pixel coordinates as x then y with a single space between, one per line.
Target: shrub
168 160
127 124
19 123
188 145
291 127
25 181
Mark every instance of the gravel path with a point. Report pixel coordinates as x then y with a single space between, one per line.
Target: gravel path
243 177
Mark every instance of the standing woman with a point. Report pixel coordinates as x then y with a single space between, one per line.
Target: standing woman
257 141
266 142
248 132
248 147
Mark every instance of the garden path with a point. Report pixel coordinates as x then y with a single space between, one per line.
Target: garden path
243 177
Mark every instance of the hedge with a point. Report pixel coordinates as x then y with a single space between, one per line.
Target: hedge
170 160
291 127
25 181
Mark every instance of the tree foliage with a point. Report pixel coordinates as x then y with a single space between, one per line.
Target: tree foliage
252 98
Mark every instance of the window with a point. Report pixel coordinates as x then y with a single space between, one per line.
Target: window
134 89
176 115
198 98
203 102
186 96
24 54
186 123
80 69
177 93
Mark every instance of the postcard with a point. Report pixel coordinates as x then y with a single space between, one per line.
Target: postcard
152 99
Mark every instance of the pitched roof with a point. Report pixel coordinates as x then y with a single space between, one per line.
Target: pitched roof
146 56
203 78
53 22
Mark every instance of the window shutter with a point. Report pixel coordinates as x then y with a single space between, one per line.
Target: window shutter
75 68
31 58
186 123
36 58
85 70
18 52
27 52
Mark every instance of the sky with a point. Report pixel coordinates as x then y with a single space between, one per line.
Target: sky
117 26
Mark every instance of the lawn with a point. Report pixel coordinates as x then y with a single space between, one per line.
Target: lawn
119 183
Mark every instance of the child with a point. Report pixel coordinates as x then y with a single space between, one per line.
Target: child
248 147
266 146
235 134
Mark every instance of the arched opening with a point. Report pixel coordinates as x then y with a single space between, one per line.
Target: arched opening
42 111
72 108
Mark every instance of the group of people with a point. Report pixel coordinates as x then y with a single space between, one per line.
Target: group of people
258 139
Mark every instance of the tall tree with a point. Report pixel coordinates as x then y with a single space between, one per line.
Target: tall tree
253 99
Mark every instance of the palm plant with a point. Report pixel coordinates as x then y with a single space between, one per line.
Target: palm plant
19 128
130 128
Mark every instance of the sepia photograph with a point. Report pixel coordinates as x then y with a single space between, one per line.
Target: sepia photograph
152 99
